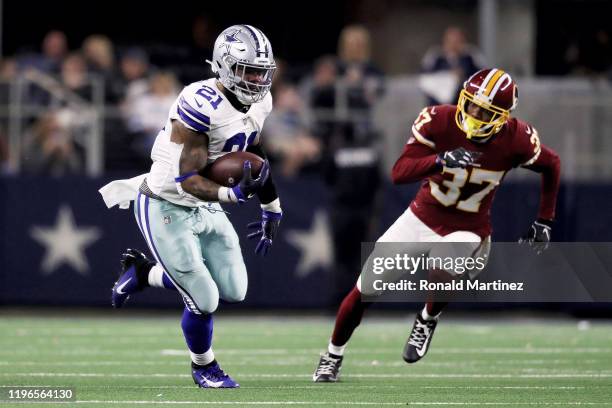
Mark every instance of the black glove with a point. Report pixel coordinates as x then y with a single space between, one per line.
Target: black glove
266 230
538 235
459 157
248 185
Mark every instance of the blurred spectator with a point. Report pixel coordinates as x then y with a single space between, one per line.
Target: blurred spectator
8 72
49 61
362 78
286 134
591 53
342 92
320 91
188 61
100 59
132 80
74 76
146 114
49 150
445 68
203 35
131 84
98 53
5 167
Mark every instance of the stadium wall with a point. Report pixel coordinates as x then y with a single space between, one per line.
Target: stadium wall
60 245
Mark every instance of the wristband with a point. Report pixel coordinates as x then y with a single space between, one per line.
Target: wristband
273 206
226 195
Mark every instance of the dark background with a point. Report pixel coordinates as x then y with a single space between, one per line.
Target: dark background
302 31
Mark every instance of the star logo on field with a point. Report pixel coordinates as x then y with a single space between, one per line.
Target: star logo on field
65 242
315 245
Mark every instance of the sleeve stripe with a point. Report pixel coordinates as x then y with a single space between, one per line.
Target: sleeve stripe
199 116
419 137
184 177
533 159
197 126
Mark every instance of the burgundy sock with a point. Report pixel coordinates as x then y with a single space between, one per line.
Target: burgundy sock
434 308
348 317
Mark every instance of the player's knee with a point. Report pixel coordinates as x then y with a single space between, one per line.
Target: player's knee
205 299
208 305
236 290
235 297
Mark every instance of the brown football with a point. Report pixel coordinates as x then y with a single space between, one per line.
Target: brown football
227 169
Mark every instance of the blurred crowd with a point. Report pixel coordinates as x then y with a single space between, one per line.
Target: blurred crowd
321 112
57 89
60 88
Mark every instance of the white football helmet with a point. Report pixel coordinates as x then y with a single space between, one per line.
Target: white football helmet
244 63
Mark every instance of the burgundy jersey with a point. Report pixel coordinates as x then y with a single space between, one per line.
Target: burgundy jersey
457 199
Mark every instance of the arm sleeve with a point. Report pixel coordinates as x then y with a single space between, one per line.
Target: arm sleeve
548 164
416 162
267 193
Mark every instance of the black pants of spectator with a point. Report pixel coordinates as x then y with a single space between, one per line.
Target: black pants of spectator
350 227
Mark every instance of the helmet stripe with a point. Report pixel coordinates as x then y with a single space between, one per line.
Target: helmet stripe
493 81
484 83
254 34
504 80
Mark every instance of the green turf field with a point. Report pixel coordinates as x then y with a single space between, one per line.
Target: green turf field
130 361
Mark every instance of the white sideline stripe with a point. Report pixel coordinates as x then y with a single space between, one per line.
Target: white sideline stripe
249 363
270 351
284 403
291 362
319 386
440 350
355 375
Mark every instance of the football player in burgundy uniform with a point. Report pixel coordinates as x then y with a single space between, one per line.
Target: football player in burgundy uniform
460 154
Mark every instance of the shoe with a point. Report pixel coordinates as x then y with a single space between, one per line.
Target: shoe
328 369
128 282
212 376
418 343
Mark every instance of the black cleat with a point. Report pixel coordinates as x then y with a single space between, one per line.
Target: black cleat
130 280
418 343
328 369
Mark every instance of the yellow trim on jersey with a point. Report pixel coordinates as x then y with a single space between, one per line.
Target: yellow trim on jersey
420 138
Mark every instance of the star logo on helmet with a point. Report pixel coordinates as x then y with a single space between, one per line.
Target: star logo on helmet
231 37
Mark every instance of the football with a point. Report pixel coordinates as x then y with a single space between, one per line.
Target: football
227 170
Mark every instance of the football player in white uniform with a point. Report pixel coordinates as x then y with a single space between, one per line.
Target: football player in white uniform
196 249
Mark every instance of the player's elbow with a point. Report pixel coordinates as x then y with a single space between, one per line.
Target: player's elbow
556 161
188 185
396 178
395 173
553 161
401 172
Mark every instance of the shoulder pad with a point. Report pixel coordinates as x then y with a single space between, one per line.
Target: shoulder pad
192 111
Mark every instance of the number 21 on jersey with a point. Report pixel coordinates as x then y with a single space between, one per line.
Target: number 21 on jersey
460 177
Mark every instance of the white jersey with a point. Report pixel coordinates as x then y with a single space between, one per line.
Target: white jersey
203 108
